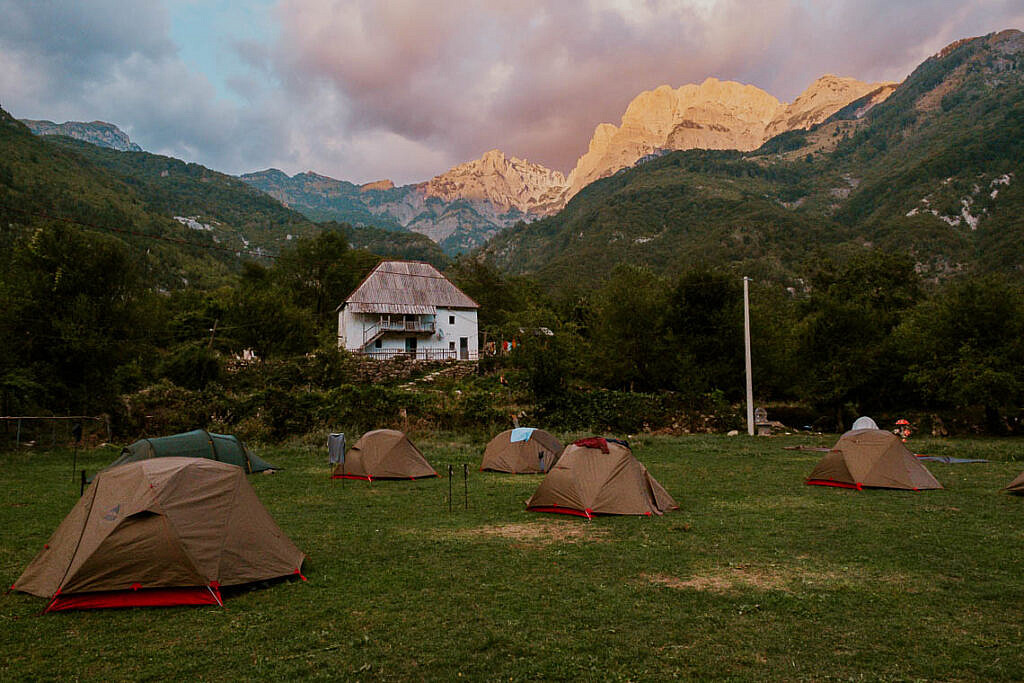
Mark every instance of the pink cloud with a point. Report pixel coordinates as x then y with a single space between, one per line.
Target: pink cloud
533 78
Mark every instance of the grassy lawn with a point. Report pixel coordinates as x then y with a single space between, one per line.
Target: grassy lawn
758 576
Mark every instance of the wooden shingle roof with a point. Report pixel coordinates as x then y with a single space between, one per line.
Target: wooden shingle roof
406 287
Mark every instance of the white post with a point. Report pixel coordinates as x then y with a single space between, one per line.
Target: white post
746 343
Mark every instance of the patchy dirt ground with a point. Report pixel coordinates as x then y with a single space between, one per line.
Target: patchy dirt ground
786 578
723 580
536 534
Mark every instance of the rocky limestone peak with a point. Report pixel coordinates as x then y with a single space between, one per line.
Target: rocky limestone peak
98 133
384 184
506 182
714 114
821 99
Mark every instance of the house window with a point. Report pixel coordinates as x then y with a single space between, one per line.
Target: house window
451 346
378 344
451 320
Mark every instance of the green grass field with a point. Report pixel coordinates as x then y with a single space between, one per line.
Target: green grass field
757 577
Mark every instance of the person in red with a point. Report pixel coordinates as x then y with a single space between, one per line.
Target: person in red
902 429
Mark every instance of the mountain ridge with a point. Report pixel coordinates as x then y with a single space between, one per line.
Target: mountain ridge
98 133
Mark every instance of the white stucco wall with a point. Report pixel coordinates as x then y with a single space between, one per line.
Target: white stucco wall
351 327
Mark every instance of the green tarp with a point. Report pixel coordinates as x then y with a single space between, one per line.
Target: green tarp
198 443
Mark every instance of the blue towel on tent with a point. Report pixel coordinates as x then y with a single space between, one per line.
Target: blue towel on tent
521 434
948 460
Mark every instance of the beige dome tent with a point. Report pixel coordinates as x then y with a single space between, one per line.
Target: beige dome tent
162 531
1017 485
523 450
872 458
383 454
600 477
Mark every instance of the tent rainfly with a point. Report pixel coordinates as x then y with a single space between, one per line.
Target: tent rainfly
1017 485
600 477
863 422
383 454
198 443
872 458
523 450
160 532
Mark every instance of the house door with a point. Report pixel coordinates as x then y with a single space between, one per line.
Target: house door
464 348
410 345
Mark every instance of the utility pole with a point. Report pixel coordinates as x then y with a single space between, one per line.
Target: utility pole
746 343
213 331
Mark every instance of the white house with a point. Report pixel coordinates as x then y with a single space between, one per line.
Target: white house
408 308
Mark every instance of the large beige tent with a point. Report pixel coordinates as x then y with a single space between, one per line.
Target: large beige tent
872 458
162 531
523 450
383 454
600 477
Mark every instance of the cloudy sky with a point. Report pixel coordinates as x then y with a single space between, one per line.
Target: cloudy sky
404 89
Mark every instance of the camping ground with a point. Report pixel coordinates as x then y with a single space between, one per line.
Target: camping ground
757 576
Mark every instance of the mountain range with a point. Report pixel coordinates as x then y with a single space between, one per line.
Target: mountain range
467 205
470 203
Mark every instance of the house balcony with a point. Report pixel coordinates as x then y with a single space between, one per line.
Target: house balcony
406 325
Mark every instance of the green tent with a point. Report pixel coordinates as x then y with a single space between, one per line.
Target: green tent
198 443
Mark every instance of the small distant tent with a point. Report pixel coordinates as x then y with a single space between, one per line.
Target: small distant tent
160 532
198 443
864 422
600 477
872 458
1017 485
523 450
383 454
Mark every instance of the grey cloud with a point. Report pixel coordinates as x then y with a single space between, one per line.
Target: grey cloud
361 89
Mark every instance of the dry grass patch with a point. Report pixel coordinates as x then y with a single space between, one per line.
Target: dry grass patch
536 534
789 579
724 580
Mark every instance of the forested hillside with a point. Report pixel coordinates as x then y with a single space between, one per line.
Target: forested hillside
102 291
234 213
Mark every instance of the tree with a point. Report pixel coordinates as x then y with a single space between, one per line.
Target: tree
965 347
319 272
844 333
629 346
72 304
705 323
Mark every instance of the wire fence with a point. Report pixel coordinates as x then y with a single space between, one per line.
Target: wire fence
52 431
